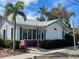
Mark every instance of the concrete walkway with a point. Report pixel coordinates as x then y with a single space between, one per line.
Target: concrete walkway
33 52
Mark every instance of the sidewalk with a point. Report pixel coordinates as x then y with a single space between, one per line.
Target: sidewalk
33 52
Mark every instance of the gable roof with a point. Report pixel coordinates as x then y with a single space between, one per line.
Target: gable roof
20 21
36 23
42 23
33 22
39 23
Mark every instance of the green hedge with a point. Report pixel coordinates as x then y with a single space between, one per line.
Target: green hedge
7 43
69 37
1 43
47 44
50 44
17 44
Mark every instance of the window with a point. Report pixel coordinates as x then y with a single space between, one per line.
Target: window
24 33
11 33
63 34
38 34
4 34
55 28
34 34
42 35
29 33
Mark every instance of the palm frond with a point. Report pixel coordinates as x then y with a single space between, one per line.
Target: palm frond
22 14
19 5
9 6
7 13
42 10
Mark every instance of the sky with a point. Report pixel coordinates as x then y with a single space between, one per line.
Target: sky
31 8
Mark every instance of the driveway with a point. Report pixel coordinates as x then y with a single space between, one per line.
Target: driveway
67 53
63 53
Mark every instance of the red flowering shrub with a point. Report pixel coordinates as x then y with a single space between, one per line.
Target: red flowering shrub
22 45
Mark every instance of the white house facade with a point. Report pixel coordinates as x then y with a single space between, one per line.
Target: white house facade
32 29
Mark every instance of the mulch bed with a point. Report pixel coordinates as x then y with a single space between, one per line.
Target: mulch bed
8 52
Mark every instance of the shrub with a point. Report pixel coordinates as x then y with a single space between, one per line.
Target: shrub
49 44
8 43
17 44
77 37
68 36
1 43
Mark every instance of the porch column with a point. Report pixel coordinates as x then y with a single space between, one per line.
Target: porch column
43 35
36 34
22 33
40 34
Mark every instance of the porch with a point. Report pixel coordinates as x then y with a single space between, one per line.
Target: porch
32 33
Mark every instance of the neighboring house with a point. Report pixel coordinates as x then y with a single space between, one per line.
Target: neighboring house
32 29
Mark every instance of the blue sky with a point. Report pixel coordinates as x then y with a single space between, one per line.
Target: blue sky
31 7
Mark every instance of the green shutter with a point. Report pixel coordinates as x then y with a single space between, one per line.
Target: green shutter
12 33
20 33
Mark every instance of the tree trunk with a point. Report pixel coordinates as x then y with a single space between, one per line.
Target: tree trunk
14 36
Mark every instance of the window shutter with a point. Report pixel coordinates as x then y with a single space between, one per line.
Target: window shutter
20 33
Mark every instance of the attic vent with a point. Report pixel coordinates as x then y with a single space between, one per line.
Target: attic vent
55 28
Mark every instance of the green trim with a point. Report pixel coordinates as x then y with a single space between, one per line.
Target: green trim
66 26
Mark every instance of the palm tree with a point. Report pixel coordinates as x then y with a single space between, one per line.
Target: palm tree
42 10
15 10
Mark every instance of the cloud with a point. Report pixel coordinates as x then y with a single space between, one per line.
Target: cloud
31 15
62 2
2 2
2 5
28 2
1 10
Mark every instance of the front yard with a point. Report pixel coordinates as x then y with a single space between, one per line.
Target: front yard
62 53
5 52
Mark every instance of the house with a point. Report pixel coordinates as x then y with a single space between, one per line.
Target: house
32 29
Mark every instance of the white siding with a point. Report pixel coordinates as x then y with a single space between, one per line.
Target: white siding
52 34
7 26
18 33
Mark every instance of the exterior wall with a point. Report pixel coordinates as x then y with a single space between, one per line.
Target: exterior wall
17 33
7 26
52 34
